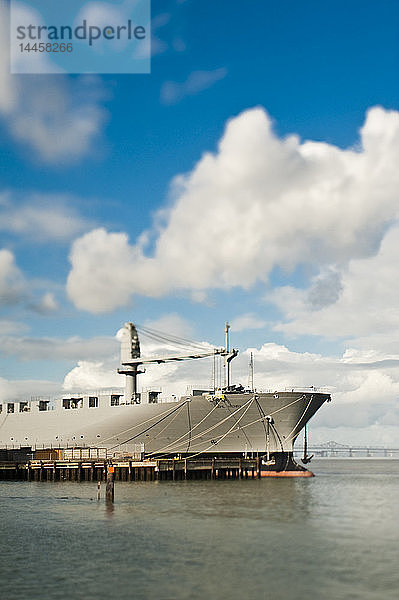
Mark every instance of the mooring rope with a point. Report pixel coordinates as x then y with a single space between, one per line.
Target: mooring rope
227 432
184 434
169 410
234 428
206 430
168 424
300 418
151 426
242 427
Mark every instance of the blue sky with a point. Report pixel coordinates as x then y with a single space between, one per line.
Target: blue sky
81 153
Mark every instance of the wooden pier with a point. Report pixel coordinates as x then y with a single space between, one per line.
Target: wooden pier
145 470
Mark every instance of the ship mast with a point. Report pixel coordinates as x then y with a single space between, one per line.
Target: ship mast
226 361
228 357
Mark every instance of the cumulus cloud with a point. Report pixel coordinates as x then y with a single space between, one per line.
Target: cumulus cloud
258 203
88 375
110 266
172 92
361 303
62 118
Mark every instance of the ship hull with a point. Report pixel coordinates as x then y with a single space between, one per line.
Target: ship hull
266 423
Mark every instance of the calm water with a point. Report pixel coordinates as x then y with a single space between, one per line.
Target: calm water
334 536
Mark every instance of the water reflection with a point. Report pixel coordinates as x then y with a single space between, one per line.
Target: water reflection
109 509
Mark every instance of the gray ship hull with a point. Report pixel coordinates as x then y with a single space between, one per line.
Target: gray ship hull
205 424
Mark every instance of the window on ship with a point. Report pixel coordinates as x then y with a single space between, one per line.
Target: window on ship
43 405
66 403
23 407
93 402
10 407
115 399
76 402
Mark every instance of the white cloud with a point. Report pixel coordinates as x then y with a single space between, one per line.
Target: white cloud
62 118
16 289
10 327
12 283
260 202
26 388
247 321
46 348
88 375
109 265
198 81
361 303
171 323
46 305
41 217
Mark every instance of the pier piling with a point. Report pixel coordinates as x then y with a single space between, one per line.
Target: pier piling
110 485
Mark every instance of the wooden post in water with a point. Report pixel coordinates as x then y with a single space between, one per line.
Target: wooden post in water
109 490
98 490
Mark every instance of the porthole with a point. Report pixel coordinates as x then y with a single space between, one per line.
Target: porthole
98 435
82 437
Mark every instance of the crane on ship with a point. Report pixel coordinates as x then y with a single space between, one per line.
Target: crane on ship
131 358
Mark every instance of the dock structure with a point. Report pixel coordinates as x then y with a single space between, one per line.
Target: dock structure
145 470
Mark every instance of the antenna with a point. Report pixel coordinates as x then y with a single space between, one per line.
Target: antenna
251 372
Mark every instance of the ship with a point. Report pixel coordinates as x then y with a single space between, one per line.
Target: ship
227 420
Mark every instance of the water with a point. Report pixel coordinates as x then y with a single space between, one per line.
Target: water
333 537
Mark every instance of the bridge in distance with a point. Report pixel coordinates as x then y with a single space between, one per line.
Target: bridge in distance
333 449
